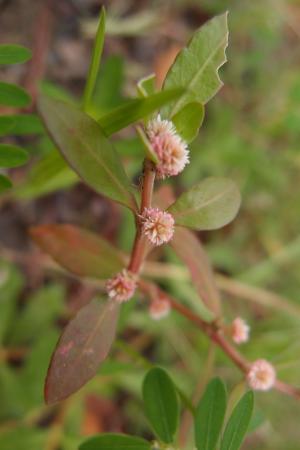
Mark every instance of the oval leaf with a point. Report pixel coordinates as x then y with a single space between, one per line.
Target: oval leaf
83 345
115 441
88 151
196 66
12 156
161 403
238 423
81 252
188 121
6 124
26 124
209 205
210 415
5 183
12 95
14 54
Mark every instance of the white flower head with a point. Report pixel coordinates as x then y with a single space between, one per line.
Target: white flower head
261 375
121 287
171 150
239 331
159 308
157 225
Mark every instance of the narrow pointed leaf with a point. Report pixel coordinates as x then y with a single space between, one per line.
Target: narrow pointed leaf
12 156
196 66
146 86
190 250
188 120
14 54
5 183
83 144
136 109
150 153
83 345
12 95
209 205
161 403
238 423
95 61
115 441
210 415
81 252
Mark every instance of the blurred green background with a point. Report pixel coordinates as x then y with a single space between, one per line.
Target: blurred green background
251 134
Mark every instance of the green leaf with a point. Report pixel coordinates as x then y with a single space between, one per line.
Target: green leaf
238 423
6 124
5 183
88 151
196 66
115 441
188 120
146 86
81 252
26 124
12 156
209 205
136 109
12 95
150 153
161 403
95 61
84 344
210 415
14 54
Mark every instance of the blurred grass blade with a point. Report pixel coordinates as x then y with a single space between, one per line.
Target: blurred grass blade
12 156
238 423
209 205
83 144
14 54
81 252
115 441
83 345
196 66
161 403
136 109
210 415
95 61
12 95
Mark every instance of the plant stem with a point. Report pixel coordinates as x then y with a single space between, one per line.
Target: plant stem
140 243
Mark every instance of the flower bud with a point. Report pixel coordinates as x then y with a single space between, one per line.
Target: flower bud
121 287
159 308
239 331
157 225
261 375
171 150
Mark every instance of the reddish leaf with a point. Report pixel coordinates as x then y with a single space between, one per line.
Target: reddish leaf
83 345
79 251
190 250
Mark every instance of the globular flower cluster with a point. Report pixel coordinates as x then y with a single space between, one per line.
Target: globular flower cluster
239 331
159 308
157 225
121 287
171 150
261 375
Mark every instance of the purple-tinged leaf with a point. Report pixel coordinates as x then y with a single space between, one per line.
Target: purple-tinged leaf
83 345
79 251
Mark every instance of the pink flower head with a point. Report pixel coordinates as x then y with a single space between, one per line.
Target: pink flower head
159 308
261 375
239 331
171 150
122 287
157 225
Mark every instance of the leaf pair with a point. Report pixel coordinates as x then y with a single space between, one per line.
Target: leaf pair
210 416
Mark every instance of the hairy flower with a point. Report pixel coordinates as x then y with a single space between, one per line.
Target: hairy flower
239 331
171 150
261 375
159 308
157 225
121 287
